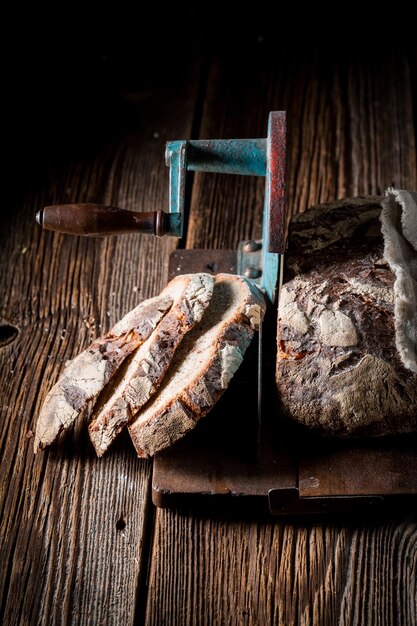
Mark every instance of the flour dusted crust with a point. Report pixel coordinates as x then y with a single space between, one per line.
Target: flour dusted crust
140 378
338 369
202 366
87 374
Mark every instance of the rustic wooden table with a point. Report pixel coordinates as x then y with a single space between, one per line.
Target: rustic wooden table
81 542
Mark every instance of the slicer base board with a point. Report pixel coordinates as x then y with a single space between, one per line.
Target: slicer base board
225 462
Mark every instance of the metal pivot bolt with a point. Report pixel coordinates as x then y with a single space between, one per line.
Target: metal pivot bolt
250 259
251 246
253 272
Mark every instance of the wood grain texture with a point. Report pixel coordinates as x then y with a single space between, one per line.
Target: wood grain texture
73 527
235 572
351 132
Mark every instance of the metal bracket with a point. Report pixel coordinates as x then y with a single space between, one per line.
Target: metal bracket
248 157
176 160
249 260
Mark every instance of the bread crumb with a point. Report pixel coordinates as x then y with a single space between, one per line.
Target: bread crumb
90 322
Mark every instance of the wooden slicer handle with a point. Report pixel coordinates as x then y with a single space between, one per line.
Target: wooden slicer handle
100 219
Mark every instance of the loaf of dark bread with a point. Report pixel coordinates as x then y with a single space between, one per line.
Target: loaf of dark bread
159 369
85 376
338 367
141 376
202 367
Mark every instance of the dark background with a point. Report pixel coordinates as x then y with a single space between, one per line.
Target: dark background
69 76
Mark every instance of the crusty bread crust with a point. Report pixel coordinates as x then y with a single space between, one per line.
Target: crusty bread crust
213 352
140 377
338 369
86 375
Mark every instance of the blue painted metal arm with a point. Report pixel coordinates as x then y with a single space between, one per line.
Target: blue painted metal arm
228 156
176 159
250 157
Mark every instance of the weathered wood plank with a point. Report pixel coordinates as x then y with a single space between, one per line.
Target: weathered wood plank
351 132
72 527
235 572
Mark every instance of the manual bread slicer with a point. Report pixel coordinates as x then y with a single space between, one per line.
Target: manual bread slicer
241 455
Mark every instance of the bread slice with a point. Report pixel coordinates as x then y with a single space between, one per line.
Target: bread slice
85 376
140 377
202 367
